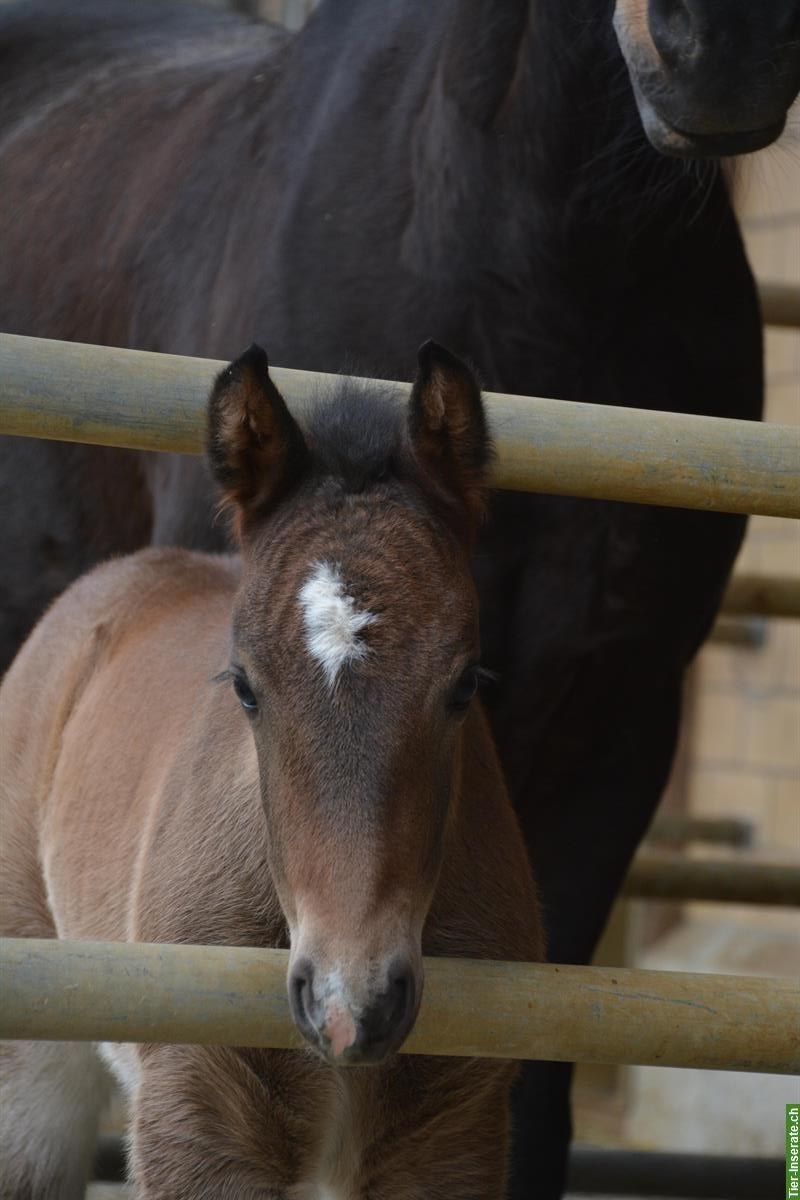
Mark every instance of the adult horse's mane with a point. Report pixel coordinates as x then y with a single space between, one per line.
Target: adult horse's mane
176 122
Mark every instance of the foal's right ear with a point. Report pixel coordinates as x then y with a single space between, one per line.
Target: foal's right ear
255 448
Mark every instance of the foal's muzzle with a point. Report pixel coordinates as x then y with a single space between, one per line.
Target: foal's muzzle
346 1033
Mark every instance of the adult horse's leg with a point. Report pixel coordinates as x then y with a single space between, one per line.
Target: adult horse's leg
591 612
184 504
68 507
591 833
65 508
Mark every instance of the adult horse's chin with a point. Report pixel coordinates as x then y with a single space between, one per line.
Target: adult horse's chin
679 142
711 79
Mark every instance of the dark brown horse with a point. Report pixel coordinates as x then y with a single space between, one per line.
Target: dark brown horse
285 749
184 181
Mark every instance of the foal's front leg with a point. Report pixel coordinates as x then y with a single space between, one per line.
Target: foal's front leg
211 1122
445 1132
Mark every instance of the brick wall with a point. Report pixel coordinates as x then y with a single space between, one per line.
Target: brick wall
745 740
740 756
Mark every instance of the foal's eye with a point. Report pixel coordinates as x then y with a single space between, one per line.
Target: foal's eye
245 694
465 689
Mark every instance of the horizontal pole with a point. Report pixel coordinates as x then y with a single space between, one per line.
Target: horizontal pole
749 633
146 401
780 304
750 595
677 828
595 1170
124 992
675 877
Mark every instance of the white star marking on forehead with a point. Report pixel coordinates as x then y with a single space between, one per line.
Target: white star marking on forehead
332 621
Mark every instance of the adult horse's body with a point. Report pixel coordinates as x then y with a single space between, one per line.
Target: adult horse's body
342 796
478 173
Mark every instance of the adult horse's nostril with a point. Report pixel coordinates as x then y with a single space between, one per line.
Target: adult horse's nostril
673 30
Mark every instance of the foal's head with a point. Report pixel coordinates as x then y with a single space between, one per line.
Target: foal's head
355 658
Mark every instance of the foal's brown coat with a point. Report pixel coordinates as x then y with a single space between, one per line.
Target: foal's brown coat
134 805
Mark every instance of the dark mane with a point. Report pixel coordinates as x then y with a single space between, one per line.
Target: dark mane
356 435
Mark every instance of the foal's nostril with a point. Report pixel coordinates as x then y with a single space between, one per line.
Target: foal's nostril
390 1015
400 992
301 994
400 1001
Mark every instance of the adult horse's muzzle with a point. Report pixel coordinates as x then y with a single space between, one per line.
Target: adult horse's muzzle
353 1022
672 140
711 79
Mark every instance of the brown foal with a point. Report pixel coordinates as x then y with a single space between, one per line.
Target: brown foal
278 750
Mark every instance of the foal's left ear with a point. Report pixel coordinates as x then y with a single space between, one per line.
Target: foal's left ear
255 448
448 429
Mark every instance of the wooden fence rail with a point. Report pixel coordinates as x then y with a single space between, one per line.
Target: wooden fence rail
728 881
676 828
599 1171
780 304
116 991
129 398
762 596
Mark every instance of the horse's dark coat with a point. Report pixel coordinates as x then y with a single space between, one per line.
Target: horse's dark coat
185 182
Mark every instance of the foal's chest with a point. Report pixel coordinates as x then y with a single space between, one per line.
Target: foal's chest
339 1161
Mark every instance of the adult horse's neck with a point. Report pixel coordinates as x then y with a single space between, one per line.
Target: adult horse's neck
535 102
536 191
518 212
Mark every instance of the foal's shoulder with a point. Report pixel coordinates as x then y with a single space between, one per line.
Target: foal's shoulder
117 594
156 574
174 563
93 617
